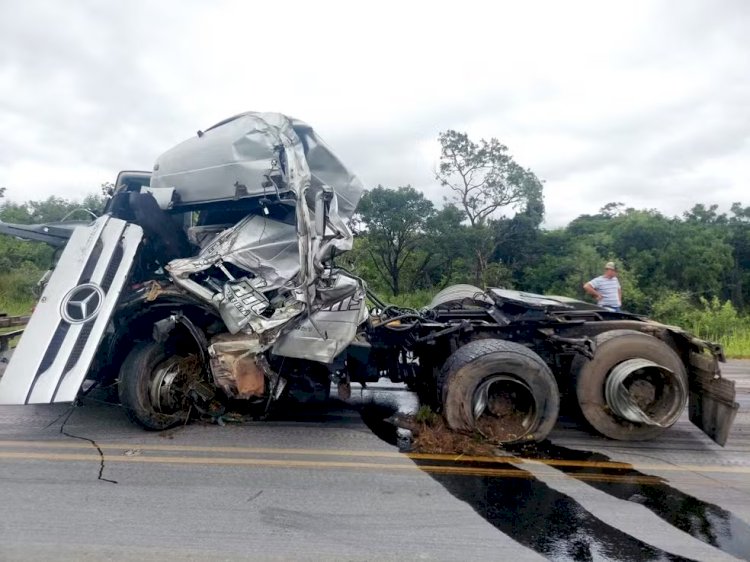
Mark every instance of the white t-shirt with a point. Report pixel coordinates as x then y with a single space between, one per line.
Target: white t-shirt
609 289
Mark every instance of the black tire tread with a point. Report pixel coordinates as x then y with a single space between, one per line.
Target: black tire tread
475 351
477 348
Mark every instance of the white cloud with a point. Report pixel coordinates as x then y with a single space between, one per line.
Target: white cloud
643 102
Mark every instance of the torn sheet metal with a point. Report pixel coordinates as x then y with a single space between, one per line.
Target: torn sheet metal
712 404
270 155
244 156
261 155
242 308
265 247
326 332
240 157
202 236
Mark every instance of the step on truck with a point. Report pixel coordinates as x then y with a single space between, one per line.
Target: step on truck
212 279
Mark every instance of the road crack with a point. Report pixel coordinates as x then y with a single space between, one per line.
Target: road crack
94 443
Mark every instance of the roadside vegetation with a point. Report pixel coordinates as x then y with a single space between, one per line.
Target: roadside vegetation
692 270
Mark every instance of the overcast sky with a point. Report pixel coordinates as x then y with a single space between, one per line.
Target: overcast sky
647 103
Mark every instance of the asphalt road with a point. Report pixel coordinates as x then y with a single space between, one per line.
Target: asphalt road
328 484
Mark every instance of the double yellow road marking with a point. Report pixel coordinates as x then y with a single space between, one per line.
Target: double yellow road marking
350 459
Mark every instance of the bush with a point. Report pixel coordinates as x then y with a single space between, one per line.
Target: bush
674 308
17 290
708 319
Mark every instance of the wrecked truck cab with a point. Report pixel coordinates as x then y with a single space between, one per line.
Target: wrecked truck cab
212 258
212 280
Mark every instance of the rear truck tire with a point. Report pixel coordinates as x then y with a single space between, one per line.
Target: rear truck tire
501 389
152 387
633 389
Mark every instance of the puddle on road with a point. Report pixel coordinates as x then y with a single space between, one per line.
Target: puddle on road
526 509
703 520
531 512
545 520
557 526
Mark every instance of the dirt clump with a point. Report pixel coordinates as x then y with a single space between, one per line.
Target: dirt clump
433 436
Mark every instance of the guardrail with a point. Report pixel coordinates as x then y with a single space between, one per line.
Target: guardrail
10 321
7 337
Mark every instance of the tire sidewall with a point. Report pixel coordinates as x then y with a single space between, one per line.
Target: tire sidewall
133 387
460 386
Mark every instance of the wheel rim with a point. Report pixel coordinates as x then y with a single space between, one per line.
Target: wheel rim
168 386
644 392
504 406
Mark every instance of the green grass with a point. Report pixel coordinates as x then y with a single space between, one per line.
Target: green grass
16 296
737 345
426 416
16 308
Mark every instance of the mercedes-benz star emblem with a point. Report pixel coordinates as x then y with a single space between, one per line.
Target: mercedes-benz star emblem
82 303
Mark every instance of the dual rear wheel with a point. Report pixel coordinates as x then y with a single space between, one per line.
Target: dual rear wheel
633 388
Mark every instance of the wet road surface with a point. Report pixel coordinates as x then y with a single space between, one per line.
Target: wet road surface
329 483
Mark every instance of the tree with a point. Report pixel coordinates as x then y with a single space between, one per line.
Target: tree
612 209
395 220
705 215
484 179
518 238
445 244
52 209
483 176
739 239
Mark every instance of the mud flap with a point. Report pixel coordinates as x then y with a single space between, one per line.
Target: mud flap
711 405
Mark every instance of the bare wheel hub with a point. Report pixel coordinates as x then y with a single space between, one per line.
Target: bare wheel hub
169 385
641 391
504 407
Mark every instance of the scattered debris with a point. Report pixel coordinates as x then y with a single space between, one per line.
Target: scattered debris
431 435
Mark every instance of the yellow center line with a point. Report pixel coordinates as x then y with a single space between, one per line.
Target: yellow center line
277 463
375 454
203 449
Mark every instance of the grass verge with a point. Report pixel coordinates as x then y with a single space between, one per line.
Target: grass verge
737 345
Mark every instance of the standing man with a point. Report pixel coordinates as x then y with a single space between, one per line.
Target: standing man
606 288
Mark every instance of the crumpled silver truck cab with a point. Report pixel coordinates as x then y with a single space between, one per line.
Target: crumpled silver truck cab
213 279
